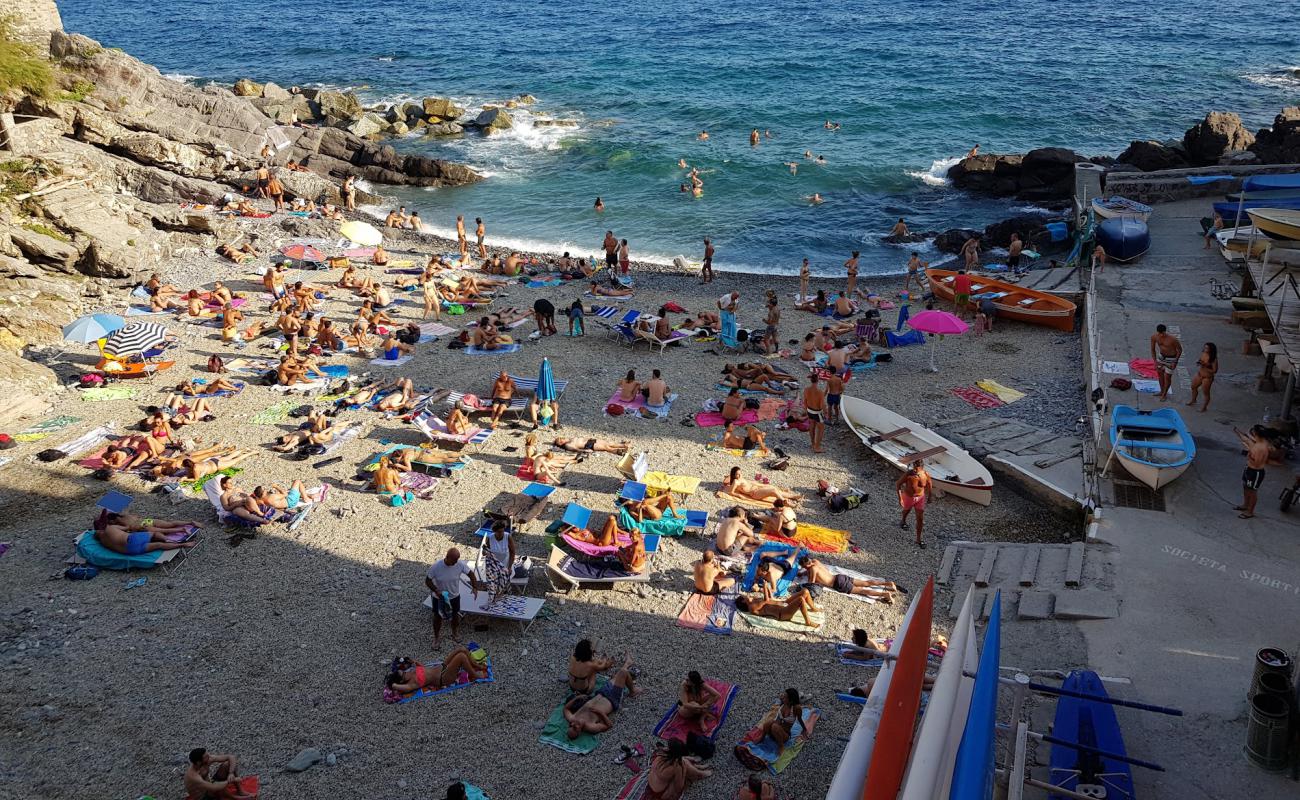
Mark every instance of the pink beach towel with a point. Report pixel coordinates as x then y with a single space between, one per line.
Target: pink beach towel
634 405
595 550
1144 367
713 419
977 397
673 726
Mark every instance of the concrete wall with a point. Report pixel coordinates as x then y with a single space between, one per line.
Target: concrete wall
33 20
1164 186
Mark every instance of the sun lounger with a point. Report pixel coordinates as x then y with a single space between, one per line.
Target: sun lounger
212 490
623 329
88 550
519 509
529 385
636 467
436 430
571 573
673 726
474 404
604 312
758 752
676 337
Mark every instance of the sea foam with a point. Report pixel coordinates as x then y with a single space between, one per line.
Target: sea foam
937 174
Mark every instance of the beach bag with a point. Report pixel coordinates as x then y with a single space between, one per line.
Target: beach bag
269 378
752 403
884 358
50 455
90 381
1123 384
215 364
614 410
7 441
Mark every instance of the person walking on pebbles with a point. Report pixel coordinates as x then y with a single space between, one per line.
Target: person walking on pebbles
914 489
814 403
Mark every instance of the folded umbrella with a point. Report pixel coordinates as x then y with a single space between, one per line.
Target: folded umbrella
545 382
92 328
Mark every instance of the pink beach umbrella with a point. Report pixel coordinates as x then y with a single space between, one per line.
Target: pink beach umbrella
937 322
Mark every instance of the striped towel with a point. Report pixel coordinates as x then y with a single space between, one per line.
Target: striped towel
604 312
977 397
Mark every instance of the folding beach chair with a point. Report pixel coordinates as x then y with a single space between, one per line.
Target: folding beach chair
623 329
569 573
648 336
434 428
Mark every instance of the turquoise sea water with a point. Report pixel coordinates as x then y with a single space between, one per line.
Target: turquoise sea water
913 85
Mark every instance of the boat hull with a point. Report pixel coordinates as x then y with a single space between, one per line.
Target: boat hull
951 468
1272 183
1154 447
1092 724
1277 223
972 777
1113 207
1048 310
1124 238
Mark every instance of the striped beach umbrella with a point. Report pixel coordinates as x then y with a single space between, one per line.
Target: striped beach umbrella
135 338
546 382
92 328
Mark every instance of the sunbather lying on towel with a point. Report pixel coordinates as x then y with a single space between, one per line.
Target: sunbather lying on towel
815 572
798 603
608 536
753 439
752 384
735 537
600 290
132 452
402 399
242 254
276 497
584 666
197 464
762 492
756 370
189 410
433 676
652 507
672 771
756 787
863 640
136 522
316 430
407 460
591 446
709 577
591 713
121 539
548 466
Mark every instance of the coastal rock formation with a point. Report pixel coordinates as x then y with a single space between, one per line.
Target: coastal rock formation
1151 155
33 21
247 88
951 240
1280 144
1219 133
1043 174
492 120
1031 227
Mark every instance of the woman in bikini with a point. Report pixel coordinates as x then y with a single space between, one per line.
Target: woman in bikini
672 770
754 439
316 430
458 421
753 490
788 719
696 699
629 389
402 399
799 603
435 676
817 305
584 666
1207 366
653 508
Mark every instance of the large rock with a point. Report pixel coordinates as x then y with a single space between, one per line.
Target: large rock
987 174
1150 155
41 244
1220 132
343 105
244 87
1043 174
272 92
494 119
442 108
33 21
1280 144
367 124
33 310
25 389
951 240
444 129
1029 226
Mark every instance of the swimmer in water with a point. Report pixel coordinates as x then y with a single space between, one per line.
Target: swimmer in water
703 137
753 138
681 163
821 159
767 134
600 205
793 165
816 199
807 154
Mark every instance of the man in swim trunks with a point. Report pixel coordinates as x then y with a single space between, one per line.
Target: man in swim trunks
772 335
834 391
814 402
461 241
503 391
444 580
961 293
656 390
914 489
480 230
1165 351
734 536
591 713
1257 455
120 539
709 577
210 776
816 572
611 251
1014 250
706 269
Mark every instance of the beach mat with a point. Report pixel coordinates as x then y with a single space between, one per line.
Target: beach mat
1004 393
462 682
87 440
101 394
673 726
816 538
500 351
1144 367
793 626
274 414
391 362
757 751
34 433
976 397
555 734
710 613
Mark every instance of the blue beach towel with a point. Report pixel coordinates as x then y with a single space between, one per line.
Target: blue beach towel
902 340
477 351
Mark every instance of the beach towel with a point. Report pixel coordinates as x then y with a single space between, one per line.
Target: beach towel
659 482
89 548
144 311
834 570
462 681
347 434
713 419
816 538
274 414
669 525
636 787
1147 386
1144 367
239 388
747 501
595 550
716 446
391 362
87 440
673 726
976 397
555 733
197 484
474 350
902 340
842 650
792 626
787 552
432 329
310 387
710 613
1004 393
40 430
722 387
757 751
101 394
593 572
543 283
1115 368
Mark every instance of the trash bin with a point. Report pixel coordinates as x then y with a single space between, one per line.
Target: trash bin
1268 731
1269 659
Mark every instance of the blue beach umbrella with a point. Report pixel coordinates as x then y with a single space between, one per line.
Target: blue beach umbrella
92 328
546 382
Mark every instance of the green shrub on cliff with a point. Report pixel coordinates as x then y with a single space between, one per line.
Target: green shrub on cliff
21 67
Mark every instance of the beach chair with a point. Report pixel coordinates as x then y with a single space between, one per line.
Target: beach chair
637 468
569 573
623 328
88 550
434 428
529 386
512 608
212 490
676 337
473 404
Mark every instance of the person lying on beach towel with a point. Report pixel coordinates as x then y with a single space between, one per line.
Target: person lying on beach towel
399 396
412 458
198 464
591 446
652 508
753 439
241 254
317 430
592 713
599 290
734 484
119 537
407 679
798 603
709 577
816 573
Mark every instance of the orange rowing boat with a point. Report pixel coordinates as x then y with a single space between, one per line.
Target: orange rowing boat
1011 301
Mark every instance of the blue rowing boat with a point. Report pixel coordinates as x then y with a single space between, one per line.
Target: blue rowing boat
1124 238
972 776
1092 724
1258 183
1229 210
1154 446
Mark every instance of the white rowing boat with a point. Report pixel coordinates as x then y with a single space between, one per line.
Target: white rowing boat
934 752
851 773
1116 206
901 442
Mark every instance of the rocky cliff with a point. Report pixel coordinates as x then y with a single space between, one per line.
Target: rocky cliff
95 170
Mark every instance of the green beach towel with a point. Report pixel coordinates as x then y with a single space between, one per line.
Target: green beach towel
197 486
556 734
101 393
274 415
668 526
42 429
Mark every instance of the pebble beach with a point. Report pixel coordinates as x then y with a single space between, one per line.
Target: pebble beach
281 644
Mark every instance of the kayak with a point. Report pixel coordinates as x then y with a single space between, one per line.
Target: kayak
1092 724
972 776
